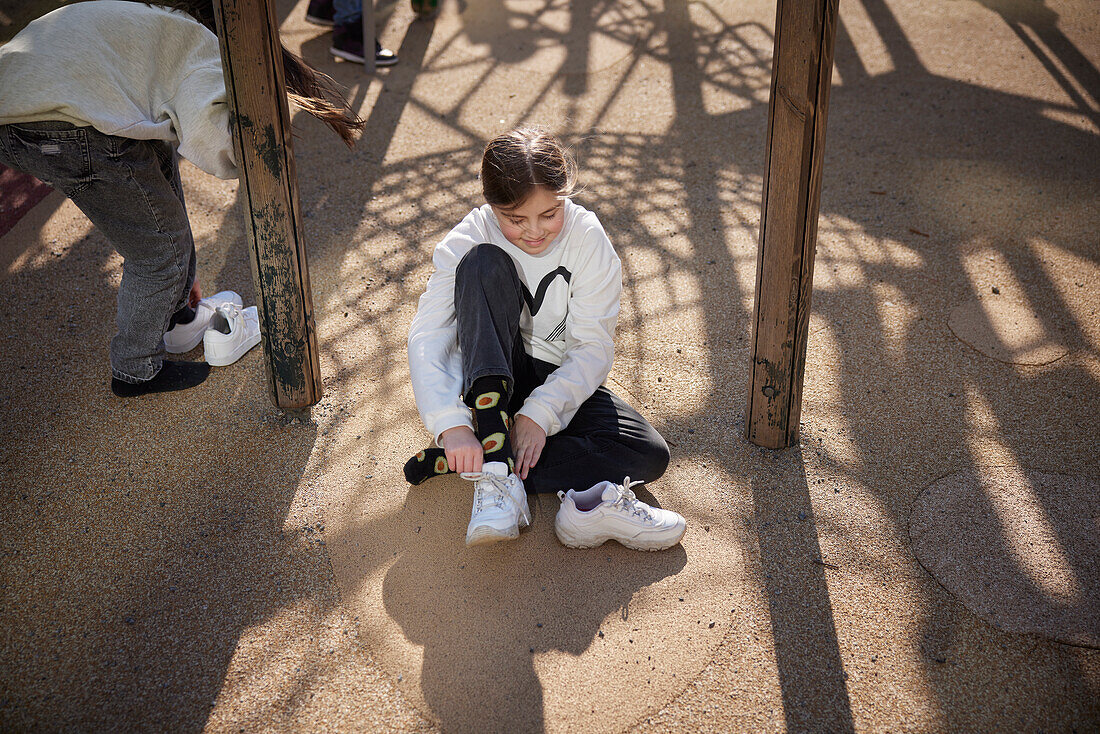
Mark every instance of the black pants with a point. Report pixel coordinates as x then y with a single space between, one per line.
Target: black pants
605 440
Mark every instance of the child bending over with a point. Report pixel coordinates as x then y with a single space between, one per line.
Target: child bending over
508 352
100 100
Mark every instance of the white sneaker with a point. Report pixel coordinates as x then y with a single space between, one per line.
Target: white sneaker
500 505
185 337
614 513
232 332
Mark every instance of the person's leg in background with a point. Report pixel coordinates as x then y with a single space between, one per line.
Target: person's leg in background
346 19
130 190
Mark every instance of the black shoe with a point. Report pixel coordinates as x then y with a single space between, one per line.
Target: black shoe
347 44
321 12
424 8
172 376
383 56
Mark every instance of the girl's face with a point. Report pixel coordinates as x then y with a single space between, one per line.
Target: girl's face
533 224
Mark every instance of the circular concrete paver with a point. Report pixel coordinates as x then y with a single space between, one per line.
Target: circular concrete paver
1006 331
1019 548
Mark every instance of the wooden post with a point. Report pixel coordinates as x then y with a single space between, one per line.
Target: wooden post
260 122
797 111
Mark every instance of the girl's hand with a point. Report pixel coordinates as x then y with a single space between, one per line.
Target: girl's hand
528 440
464 452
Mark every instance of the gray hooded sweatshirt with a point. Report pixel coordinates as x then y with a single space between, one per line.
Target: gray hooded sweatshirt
125 69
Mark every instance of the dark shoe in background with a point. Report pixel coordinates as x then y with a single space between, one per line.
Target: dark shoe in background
173 376
321 12
424 8
347 44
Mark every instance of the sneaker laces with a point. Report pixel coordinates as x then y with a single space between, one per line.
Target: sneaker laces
629 502
488 488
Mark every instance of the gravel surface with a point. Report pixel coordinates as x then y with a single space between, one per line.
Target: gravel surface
202 561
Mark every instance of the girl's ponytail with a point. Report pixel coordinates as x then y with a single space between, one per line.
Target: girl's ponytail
317 94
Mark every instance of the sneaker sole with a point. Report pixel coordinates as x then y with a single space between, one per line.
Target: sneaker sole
484 534
236 354
347 56
638 544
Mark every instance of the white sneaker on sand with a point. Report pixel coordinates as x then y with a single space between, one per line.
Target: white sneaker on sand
232 332
185 337
609 511
500 505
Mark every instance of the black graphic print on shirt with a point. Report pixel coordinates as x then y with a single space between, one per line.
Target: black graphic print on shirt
534 303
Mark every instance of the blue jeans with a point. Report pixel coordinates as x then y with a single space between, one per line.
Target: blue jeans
347 11
606 438
131 191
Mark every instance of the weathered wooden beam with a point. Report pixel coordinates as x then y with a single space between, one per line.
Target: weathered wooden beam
260 122
797 112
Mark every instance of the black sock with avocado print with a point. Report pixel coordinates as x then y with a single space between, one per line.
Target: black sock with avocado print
488 397
425 465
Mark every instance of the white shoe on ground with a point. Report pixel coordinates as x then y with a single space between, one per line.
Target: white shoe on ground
500 505
185 337
232 332
609 511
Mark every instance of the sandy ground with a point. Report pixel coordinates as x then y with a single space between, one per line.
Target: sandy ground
925 560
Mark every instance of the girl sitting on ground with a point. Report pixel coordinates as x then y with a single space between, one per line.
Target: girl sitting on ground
508 352
101 98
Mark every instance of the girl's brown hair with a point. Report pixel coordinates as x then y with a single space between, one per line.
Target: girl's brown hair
317 94
309 89
515 162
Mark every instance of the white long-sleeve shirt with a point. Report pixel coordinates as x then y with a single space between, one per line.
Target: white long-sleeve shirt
579 279
125 69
